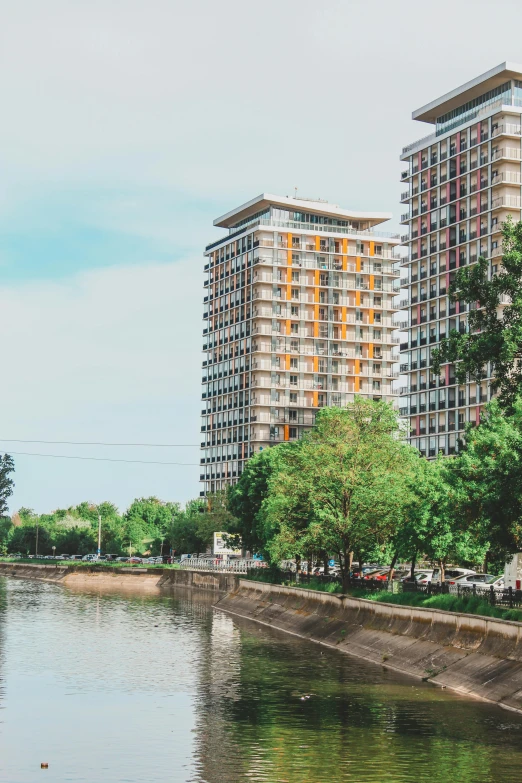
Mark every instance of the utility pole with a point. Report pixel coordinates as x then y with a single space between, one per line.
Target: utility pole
36 552
99 534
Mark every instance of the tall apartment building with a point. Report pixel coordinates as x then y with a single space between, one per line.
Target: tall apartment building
463 180
298 315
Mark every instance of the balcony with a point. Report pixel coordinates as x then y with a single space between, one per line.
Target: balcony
506 178
508 153
506 130
506 202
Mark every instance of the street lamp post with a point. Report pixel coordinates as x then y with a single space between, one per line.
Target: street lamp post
36 550
54 551
99 534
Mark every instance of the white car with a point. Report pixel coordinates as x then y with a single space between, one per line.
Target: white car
484 581
451 574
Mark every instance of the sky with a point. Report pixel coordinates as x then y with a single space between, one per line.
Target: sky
128 126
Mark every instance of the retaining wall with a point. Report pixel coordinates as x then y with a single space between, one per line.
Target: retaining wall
478 656
147 579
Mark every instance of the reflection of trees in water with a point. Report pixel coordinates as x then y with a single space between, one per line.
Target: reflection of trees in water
253 719
359 722
3 608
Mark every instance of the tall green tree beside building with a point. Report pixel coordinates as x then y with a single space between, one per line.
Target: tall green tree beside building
345 483
495 321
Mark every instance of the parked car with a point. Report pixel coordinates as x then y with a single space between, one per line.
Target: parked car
399 574
134 560
479 580
421 577
367 569
121 559
90 558
451 574
381 574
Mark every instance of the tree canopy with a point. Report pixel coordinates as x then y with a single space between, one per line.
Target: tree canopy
494 336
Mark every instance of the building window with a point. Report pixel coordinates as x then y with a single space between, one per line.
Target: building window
293 380
294 328
293 432
293 397
293 363
295 293
294 310
295 277
296 241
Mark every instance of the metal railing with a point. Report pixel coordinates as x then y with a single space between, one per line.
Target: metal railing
234 566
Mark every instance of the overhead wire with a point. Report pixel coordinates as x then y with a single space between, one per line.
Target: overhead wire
102 459
98 443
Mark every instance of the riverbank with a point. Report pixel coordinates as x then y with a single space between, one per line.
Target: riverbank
473 655
148 580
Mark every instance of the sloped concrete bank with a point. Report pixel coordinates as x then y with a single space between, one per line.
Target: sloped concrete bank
477 656
147 580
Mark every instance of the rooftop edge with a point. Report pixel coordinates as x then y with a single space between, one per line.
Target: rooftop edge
264 200
466 92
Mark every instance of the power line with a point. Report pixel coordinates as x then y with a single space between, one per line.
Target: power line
96 443
102 459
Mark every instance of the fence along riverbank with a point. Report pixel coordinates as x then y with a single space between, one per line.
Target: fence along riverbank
144 579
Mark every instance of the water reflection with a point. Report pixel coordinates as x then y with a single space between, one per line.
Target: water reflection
118 687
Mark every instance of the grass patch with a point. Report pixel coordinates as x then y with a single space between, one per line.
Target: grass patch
471 604
317 584
275 577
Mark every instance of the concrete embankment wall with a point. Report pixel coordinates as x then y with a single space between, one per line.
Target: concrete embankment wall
478 656
147 580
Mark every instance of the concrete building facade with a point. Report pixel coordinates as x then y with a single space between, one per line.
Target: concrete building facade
463 180
299 308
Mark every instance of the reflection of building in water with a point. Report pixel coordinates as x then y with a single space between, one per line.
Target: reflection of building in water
219 687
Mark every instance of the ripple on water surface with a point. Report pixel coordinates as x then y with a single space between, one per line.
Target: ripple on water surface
119 687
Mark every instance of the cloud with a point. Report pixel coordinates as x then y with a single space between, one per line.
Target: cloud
107 355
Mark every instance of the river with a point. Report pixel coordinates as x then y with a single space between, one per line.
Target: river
118 687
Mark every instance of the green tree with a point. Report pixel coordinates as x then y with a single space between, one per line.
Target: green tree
449 536
6 482
245 499
495 333
216 517
412 519
184 533
489 471
147 521
345 483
